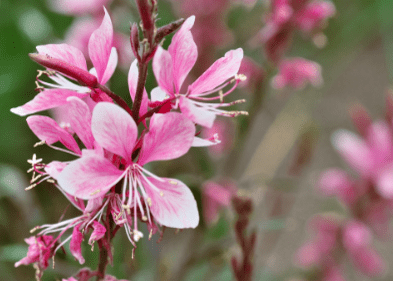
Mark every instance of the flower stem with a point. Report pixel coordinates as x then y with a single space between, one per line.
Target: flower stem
103 262
142 67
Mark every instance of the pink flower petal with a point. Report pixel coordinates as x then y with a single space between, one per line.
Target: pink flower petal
157 94
46 129
384 182
170 136
64 52
379 136
89 177
184 53
75 245
80 119
354 150
114 129
163 70
220 71
195 113
47 99
98 232
100 46
174 206
110 68
200 142
132 85
93 204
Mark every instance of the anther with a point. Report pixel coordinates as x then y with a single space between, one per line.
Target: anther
150 234
31 186
34 229
241 77
221 94
161 194
172 182
144 218
95 192
148 201
50 181
39 143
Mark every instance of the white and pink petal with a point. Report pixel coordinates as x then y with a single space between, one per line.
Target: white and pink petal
170 136
173 204
114 129
46 129
89 177
47 99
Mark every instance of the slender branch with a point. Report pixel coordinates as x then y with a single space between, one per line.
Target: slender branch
116 98
103 262
142 67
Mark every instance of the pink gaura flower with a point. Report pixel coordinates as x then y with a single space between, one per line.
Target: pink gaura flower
371 156
297 72
39 252
312 16
172 67
102 55
357 240
216 197
170 136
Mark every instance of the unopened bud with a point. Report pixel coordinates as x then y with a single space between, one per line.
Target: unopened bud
83 76
167 29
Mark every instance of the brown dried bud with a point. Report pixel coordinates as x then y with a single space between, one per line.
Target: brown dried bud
134 39
167 29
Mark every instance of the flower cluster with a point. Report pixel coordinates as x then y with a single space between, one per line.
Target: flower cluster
287 17
112 143
368 197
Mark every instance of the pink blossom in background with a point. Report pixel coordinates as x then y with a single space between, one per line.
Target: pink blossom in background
216 196
334 237
313 15
225 130
77 7
254 72
357 240
285 18
296 73
371 157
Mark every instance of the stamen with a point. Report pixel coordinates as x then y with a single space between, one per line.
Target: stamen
241 77
148 199
39 143
95 192
31 186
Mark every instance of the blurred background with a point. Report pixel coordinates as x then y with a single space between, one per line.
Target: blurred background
275 157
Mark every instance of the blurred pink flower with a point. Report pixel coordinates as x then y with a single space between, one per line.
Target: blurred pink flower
285 18
371 157
297 72
254 72
314 14
225 131
215 197
357 240
77 7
